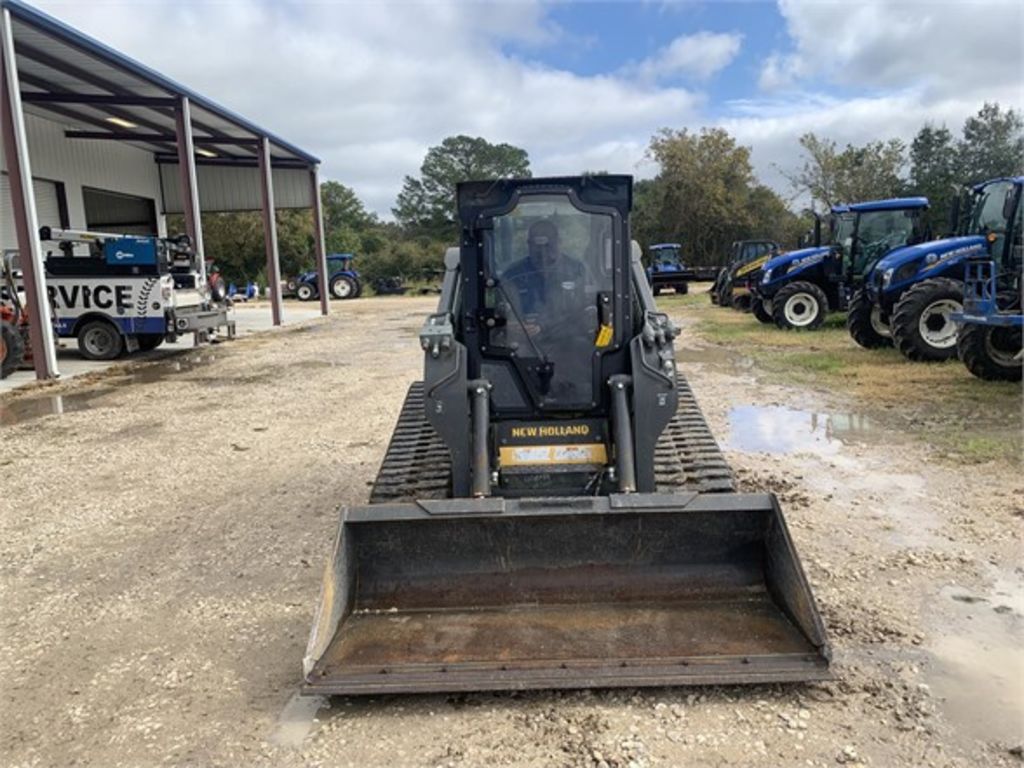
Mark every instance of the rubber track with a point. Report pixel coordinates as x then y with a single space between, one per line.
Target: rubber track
417 465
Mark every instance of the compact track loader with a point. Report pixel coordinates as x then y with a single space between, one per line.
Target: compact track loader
552 510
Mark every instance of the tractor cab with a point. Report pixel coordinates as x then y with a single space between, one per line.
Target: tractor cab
666 257
666 268
871 230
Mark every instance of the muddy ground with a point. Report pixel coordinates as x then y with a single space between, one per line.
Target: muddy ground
163 529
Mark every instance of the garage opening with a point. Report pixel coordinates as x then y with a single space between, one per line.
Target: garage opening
117 212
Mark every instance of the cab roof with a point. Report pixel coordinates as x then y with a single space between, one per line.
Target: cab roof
662 246
1018 180
896 203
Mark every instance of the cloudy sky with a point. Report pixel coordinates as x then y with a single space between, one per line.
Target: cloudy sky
369 86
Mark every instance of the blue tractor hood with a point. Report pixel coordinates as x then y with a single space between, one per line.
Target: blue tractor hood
935 252
787 258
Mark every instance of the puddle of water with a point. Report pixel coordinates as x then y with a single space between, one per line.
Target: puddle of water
296 720
778 429
23 409
978 673
27 409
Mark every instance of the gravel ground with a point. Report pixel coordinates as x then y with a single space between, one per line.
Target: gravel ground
161 546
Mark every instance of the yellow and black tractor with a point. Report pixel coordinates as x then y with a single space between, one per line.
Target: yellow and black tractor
552 510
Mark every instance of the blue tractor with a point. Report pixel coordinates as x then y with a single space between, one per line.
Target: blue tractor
342 280
919 289
667 269
989 339
798 289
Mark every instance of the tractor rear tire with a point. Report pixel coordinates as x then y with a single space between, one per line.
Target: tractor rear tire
800 306
656 289
865 324
100 340
991 352
761 311
12 349
921 325
359 288
343 287
682 289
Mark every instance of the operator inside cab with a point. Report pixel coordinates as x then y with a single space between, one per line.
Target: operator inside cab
546 285
548 269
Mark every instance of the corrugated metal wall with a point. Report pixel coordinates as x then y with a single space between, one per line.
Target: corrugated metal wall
117 167
225 188
102 164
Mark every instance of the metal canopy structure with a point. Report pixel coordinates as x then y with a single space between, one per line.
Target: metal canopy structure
55 72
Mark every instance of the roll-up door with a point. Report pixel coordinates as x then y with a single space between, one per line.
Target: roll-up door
116 212
49 207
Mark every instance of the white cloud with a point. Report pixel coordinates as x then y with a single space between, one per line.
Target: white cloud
907 62
699 55
949 46
369 87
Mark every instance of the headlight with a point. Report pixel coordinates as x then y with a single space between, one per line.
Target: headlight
887 277
767 276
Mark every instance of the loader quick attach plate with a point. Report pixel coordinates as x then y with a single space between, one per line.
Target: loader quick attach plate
491 594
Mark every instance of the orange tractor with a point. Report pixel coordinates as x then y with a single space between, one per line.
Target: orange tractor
15 350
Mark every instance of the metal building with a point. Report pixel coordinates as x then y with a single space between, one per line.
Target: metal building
95 140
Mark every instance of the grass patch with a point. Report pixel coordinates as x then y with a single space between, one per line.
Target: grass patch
823 362
964 418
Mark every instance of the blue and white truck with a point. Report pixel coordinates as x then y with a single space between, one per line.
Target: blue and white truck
129 293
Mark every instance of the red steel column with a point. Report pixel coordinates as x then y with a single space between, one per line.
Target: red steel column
187 178
26 223
270 230
318 239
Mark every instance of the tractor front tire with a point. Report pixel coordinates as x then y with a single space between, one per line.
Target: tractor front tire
800 306
343 287
865 324
725 296
922 328
100 340
741 303
12 349
761 312
991 352
304 292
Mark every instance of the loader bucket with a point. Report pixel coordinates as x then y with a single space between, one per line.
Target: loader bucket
634 590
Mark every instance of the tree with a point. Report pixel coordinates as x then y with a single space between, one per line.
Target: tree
992 145
705 196
348 226
934 172
873 171
819 176
426 206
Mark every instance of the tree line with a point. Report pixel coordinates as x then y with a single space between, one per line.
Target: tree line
704 195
